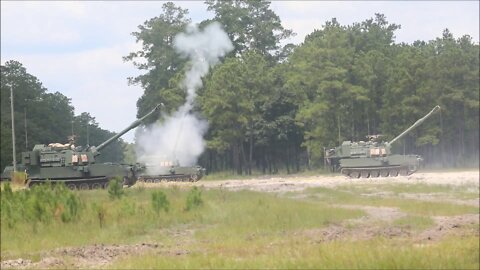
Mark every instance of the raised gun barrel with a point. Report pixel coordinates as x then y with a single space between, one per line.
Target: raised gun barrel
130 127
419 121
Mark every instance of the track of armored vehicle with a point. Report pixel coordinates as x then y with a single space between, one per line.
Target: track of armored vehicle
168 178
373 172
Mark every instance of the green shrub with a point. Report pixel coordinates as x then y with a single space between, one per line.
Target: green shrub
160 201
43 203
100 212
128 207
115 188
194 199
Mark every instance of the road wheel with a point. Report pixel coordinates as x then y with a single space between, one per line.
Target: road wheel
84 186
374 173
394 173
194 177
365 174
355 174
72 186
384 173
96 186
403 172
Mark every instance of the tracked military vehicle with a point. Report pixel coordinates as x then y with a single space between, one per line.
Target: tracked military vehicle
158 170
76 166
373 158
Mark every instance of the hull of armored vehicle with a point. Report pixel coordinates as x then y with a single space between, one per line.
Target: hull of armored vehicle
392 165
152 174
94 176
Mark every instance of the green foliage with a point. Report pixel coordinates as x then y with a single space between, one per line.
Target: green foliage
411 206
100 212
160 201
43 203
161 78
415 222
257 229
292 253
270 109
194 199
251 25
115 188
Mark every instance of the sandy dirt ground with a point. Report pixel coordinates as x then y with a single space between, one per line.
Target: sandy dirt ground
299 183
96 256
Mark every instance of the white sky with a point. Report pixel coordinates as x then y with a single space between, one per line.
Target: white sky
76 48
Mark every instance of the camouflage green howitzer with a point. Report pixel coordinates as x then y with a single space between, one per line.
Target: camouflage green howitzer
166 170
374 159
74 166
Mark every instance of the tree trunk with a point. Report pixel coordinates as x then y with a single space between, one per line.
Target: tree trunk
250 154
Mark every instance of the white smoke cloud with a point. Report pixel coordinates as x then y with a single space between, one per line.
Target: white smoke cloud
180 136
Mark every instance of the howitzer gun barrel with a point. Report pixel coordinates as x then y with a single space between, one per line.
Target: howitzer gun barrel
419 122
130 127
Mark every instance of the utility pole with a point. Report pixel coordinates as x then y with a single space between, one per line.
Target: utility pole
26 132
13 130
88 137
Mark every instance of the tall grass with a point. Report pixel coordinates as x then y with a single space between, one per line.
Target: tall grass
134 218
411 206
294 253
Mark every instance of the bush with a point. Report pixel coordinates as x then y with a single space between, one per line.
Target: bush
115 188
194 199
160 201
100 212
41 204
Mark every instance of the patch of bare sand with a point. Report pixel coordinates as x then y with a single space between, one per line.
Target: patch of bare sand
80 257
462 225
366 228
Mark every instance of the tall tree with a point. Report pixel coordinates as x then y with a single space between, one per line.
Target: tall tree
231 102
159 59
250 24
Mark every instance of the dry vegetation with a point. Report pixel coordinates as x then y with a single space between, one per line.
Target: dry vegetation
428 220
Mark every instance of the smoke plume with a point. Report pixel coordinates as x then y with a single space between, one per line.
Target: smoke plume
180 136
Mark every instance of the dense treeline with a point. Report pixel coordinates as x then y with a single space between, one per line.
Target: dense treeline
43 118
272 107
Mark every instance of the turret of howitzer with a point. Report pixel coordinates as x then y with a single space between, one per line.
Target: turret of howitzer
95 150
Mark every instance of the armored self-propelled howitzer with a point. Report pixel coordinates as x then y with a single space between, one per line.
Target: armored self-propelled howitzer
74 166
167 170
374 158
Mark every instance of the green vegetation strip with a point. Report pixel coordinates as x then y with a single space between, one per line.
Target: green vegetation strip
411 206
466 191
452 253
142 215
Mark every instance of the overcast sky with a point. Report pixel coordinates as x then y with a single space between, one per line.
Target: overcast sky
76 48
